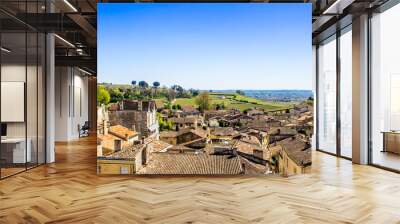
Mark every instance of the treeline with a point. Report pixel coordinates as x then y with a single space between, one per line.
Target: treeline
109 93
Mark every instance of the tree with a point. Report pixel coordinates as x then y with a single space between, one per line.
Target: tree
168 105
240 92
176 107
178 89
133 83
164 125
156 84
171 94
129 94
143 84
203 100
220 106
103 96
194 92
116 95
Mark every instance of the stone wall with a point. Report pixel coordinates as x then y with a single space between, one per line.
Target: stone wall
134 120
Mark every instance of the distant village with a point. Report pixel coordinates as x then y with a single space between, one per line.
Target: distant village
202 142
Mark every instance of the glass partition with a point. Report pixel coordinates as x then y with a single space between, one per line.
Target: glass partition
13 86
22 91
385 89
327 96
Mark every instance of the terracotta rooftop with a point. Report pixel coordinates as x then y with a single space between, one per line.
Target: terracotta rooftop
157 146
224 131
106 137
168 134
127 153
188 108
199 132
304 117
214 113
253 168
246 147
172 134
250 139
184 120
192 164
180 148
122 132
282 131
107 141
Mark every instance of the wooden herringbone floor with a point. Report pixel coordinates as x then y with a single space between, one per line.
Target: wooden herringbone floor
69 191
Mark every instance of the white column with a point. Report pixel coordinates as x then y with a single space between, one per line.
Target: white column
50 98
360 89
314 88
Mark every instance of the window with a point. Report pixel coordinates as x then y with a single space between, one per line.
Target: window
327 95
346 93
385 89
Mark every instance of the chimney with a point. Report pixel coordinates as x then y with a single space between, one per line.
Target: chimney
117 145
140 105
105 128
145 154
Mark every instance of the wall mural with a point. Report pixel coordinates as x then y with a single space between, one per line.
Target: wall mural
204 89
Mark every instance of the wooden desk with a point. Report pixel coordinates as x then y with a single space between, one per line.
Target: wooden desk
391 141
13 150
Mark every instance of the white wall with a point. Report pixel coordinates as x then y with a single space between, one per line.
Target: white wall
12 73
16 73
71 103
33 126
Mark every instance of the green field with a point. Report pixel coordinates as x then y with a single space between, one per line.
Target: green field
230 100
236 101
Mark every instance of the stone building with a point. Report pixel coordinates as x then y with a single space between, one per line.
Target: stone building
294 156
130 160
183 136
185 122
139 116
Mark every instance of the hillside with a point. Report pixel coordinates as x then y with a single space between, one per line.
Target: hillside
235 101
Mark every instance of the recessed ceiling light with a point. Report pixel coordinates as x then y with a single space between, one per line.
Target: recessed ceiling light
70 5
64 40
5 50
337 7
84 71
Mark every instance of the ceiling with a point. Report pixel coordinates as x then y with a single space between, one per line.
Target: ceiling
73 21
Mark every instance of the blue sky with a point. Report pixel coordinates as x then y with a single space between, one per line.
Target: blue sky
206 46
